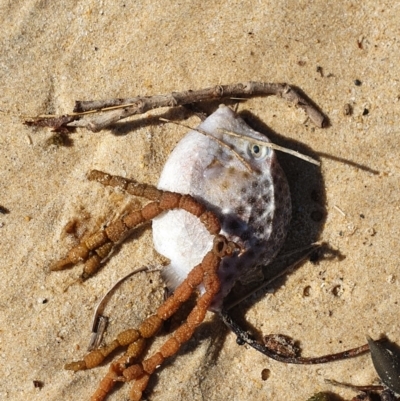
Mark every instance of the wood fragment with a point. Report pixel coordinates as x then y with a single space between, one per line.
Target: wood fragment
114 110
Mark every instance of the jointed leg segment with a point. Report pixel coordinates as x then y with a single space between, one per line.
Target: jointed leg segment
127 367
98 246
140 372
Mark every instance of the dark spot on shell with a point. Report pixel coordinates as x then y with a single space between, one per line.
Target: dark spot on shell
266 198
243 190
266 183
240 210
225 185
260 230
254 184
252 200
259 209
215 163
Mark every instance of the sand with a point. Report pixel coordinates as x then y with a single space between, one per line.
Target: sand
52 55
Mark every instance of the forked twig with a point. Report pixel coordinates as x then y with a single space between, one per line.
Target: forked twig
114 110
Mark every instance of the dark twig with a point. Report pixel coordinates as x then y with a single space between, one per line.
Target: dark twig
244 337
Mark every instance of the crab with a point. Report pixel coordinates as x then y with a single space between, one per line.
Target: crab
221 209
225 241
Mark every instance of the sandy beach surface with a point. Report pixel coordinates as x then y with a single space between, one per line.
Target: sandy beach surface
344 55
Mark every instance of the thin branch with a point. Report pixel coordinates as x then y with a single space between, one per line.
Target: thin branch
275 147
117 109
243 337
220 143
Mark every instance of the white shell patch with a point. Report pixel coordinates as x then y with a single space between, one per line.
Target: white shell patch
245 188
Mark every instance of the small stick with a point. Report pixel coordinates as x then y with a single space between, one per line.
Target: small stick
252 140
243 337
123 108
276 147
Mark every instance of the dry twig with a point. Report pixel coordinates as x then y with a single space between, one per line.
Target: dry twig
114 110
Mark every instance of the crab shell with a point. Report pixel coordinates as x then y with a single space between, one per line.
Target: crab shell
252 200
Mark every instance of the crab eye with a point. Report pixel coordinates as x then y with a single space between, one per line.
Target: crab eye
258 152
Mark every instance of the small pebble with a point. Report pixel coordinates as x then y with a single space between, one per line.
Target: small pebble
265 373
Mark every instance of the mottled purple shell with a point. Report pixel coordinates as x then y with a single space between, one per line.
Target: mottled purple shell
254 206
